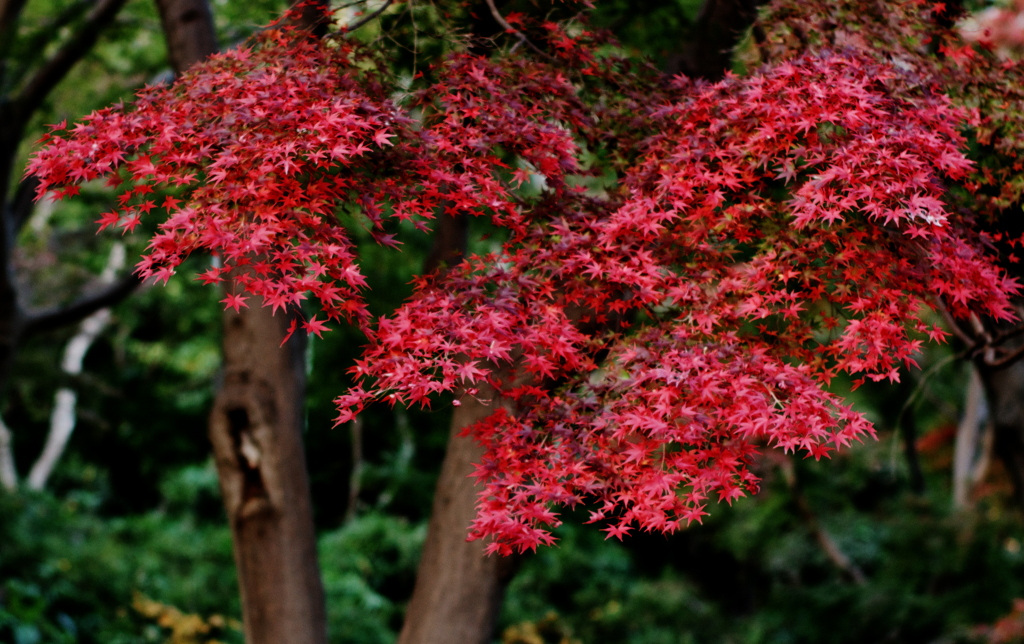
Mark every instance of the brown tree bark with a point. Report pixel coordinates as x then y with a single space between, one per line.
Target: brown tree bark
256 432
718 28
458 590
188 28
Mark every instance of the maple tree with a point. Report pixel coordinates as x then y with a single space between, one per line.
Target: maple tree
764 234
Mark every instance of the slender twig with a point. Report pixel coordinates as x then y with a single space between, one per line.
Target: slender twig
368 18
909 435
958 330
356 476
36 42
1003 336
919 388
1005 361
515 32
825 539
981 343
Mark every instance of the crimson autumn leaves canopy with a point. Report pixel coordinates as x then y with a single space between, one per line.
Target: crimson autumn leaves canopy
648 334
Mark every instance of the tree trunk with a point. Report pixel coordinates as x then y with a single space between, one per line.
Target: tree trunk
968 439
188 28
256 432
458 590
1004 389
718 29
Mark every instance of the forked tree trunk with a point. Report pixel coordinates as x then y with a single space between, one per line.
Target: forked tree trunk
458 590
256 432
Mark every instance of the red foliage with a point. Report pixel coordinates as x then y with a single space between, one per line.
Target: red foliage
768 233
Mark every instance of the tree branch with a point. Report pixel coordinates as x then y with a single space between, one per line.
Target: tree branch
10 11
76 312
825 540
65 401
356 477
958 330
500 19
366 19
1005 361
56 68
35 43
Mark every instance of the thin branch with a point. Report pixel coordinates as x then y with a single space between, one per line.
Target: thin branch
36 42
1005 361
958 330
908 432
355 478
349 5
1003 336
76 312
56 68
827 542
500 19
922 381
368 18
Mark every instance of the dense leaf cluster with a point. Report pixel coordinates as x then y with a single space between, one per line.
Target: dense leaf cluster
767 234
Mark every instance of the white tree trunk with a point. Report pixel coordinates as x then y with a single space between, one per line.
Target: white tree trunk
62 419
8 472
966 450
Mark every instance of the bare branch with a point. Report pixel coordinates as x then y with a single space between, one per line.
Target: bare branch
34 44
76 312
368 18
56 68
825 540
990 361
356 477
500 19
958 330
1003 336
